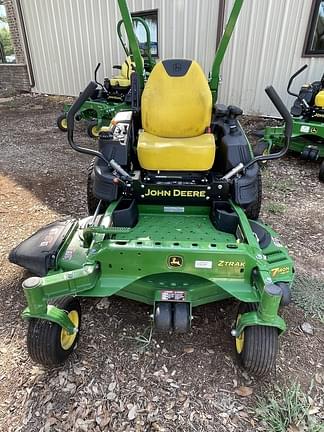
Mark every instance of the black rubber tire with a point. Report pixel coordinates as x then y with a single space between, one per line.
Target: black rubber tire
181 317
260 148
253 210
44 337
286 298
90 129
321 172
163 316
258 133
260 348
59 122
92 201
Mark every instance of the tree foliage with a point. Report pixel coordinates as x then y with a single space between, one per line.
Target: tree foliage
6 41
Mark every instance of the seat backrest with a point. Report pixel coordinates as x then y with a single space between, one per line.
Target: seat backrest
319 99
176 101
127 68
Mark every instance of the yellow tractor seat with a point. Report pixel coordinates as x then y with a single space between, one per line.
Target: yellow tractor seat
123 79
176 154
176 112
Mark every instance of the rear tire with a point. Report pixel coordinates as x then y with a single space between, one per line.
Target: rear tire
253 210
321 172
62 122
257 346
261 148
92 201
47 342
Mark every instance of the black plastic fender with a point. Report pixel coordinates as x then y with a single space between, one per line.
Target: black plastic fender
38 252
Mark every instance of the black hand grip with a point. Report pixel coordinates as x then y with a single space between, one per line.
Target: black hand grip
84 96
281 107
87 92
95 72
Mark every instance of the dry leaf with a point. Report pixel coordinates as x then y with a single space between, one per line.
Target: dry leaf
112 386
188 350
294 428
307 328
318 378
132 413
313 411
111 396
244 391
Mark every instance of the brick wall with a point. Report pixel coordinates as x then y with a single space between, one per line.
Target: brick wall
15 32
14 77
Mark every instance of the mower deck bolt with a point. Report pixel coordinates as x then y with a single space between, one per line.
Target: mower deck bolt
234 333
220 186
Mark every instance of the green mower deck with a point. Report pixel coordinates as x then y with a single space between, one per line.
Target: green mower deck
305 135
167 256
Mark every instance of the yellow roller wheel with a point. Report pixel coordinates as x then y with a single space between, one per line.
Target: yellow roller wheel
47 342
67 340
62 122
257 346
239 341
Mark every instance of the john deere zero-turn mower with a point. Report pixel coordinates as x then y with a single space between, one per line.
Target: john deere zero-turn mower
308 124
114 94
178 194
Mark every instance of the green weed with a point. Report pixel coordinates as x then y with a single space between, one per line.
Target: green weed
276 208
308 294
288 409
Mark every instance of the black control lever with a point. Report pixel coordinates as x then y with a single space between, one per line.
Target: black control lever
291 79
285 114
84 96
95 74
95 78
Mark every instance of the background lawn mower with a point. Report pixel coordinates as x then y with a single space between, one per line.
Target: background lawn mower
175 225
114 94
308 124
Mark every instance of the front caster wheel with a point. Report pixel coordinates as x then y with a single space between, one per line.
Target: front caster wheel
181 317
62 122
93 129
257 346
163 316
47 342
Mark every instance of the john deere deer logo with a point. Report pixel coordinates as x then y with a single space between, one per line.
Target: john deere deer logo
175 261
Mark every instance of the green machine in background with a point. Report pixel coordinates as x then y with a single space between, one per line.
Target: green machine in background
114 94
308 124
175 196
